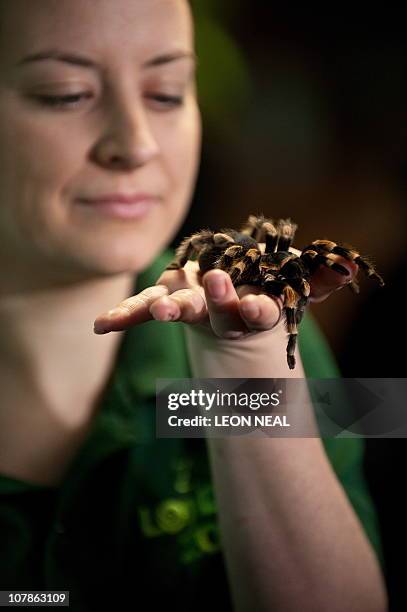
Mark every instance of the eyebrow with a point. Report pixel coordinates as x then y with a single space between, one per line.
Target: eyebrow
85 62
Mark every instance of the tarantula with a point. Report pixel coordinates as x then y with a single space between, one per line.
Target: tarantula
277 271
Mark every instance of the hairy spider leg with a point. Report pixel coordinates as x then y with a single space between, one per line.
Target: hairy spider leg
351 255
241 264
274 262
205 244
250 226
210 253
362 262
286 231
290 307
254 227
354 286
189 247
294 277
262 230
271 237
279 287
227 258
294 272
301 306
314 256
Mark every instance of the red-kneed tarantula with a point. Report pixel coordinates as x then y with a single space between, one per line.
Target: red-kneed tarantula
277 271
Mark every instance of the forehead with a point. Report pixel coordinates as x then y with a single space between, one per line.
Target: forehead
136 28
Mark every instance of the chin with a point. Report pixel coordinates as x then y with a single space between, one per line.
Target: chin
105 253
125 261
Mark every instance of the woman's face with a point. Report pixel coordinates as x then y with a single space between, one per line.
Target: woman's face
97 97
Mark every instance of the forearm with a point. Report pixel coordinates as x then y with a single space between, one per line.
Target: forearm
291 539
290 536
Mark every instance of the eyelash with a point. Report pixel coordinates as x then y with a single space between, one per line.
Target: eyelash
72 100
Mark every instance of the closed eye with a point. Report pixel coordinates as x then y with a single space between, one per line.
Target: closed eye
166 101
70 100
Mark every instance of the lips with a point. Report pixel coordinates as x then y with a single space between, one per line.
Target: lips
119 198
119 206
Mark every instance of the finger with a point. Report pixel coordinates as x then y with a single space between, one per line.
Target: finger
174 279
326 280
183 278
133 310
223 305
260 312
186 305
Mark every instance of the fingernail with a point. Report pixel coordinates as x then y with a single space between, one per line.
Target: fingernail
99 328
216 287
103 327
251 310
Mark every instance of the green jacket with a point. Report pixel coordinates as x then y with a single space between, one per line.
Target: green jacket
135 517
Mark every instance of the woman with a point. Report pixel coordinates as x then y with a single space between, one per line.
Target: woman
100 139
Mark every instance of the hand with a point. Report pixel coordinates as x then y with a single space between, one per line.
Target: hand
213 302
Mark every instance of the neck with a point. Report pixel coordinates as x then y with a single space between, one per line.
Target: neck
47 344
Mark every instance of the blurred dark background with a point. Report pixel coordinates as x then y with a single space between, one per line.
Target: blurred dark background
304 117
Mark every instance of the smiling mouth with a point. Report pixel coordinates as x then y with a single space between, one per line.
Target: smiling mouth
123 198
120 206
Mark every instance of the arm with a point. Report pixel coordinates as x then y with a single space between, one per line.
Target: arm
290 536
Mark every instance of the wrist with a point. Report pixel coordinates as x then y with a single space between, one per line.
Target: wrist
256 355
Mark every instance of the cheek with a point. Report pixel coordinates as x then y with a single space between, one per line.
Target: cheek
38 150
36 161
181 152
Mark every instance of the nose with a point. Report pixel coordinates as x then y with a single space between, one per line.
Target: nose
127 142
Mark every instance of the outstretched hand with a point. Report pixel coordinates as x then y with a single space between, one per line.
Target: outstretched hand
212 301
